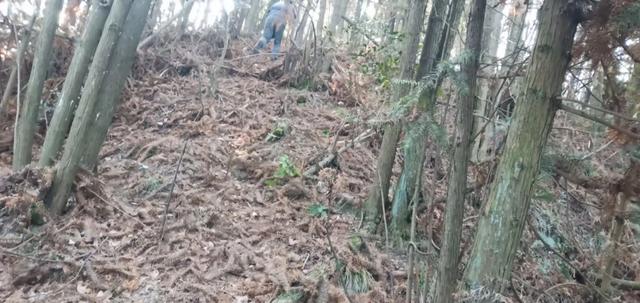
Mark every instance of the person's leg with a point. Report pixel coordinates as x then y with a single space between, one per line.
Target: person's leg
267 34
277 41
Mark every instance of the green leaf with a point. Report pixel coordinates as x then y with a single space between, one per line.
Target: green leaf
318 210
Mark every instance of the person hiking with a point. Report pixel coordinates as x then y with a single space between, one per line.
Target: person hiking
278 16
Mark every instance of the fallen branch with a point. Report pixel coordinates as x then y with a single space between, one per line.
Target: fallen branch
326 161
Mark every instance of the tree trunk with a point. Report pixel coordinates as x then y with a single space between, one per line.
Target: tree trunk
187 6
155 17
504 214
70 94
252 18
417 130
76 143
379 189
355 39
300 30
17 68
339 10
28 111
491 40
242 17
457 187
322 11
335 25
492 91
120 67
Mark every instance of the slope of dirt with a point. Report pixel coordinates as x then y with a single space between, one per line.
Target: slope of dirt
230 234
241 226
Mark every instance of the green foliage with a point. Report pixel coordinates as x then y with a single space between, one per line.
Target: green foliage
382 62
292 296
357 281
326 132
356 243
629 18
318 210
542 194
426 125
286 170
277 132
152 184
36 214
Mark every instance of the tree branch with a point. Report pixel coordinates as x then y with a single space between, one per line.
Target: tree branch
619 115
601 121
360 30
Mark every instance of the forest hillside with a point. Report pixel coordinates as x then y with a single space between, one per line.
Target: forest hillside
320 151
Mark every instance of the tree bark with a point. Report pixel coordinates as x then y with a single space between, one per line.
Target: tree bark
28 111
76 143
70 94
17 68
355 40
457 187
503 216
187 6
486 103
120 67
300 30
322 10
417 130
339 9
379 189
252 18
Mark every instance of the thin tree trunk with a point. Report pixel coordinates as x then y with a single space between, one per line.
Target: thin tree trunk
300 30
417 130
28 111
322 10
629 187
339 9
187 6
379 189
492 91
242 17
503 216
17 68
355 39
490 43
457 187
110 93
155 17
70 95
252 18
76 143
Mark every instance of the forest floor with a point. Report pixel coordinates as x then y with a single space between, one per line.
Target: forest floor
242 224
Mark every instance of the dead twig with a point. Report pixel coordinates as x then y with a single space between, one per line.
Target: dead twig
173 184
335 256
